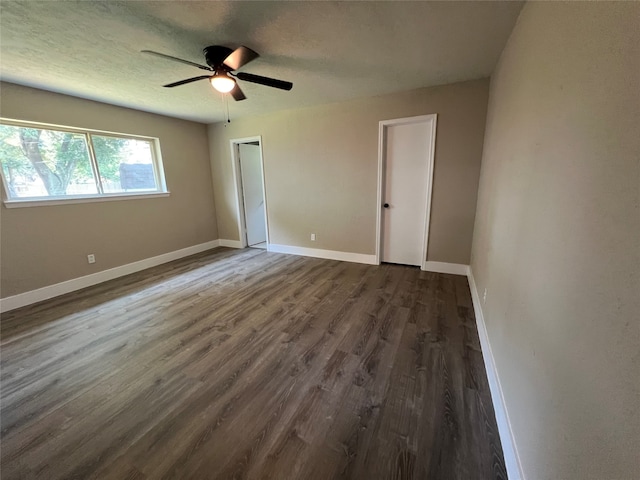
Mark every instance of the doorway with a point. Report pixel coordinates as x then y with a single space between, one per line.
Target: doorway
406 150
248 170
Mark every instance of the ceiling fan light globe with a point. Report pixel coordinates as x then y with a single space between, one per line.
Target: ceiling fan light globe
223 83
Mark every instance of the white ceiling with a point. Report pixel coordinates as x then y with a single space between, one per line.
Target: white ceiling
331 51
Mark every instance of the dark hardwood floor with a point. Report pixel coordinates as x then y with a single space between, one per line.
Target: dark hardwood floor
250 364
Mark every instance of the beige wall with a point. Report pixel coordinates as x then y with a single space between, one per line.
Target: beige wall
557 238
42 246
321 169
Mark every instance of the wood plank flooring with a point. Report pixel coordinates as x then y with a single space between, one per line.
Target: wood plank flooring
250 364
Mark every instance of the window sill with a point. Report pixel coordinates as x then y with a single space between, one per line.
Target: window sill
41 202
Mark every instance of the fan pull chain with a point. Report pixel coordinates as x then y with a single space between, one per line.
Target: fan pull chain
225 106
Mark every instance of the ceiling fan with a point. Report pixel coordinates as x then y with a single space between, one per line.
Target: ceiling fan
222 62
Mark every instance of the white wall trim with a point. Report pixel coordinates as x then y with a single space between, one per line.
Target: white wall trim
433 120
50 291
509 449
29 202
230 243
328 254
443 267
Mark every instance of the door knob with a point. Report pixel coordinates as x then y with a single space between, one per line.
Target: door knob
386 205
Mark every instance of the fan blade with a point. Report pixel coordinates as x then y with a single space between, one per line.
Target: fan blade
176 59
237 93
269 82
239 57
188 80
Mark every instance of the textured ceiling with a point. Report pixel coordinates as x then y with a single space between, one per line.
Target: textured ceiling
331 51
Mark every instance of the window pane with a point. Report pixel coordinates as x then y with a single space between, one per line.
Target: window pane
42 163
125 164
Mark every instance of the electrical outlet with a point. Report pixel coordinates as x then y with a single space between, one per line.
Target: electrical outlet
91 258
313 237
484 296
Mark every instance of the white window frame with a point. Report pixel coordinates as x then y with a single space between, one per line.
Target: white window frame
158 169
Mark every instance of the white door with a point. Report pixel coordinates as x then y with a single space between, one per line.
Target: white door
252 193
406 184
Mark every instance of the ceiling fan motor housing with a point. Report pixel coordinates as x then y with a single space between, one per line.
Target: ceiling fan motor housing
215 56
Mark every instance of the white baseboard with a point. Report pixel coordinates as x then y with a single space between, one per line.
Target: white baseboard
443 267
230 243
50 291
328 254
509 450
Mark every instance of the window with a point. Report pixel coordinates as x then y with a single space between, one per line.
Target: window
64 164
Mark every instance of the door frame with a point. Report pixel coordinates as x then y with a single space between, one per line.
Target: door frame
237 182
382 144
